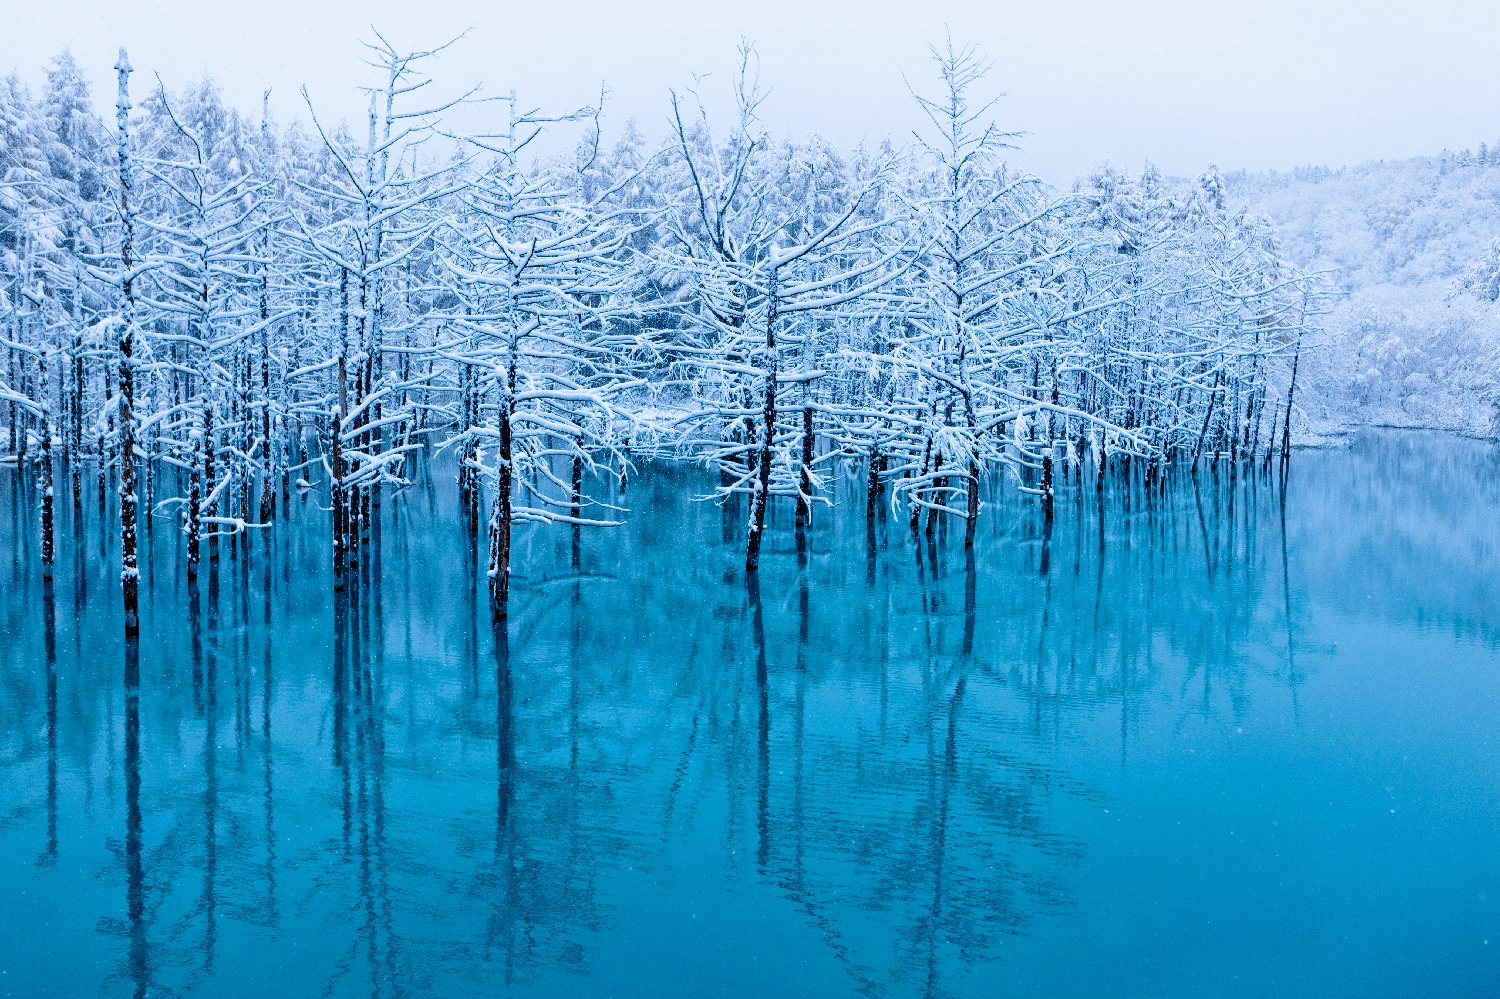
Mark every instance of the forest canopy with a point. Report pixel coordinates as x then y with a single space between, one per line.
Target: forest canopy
303 305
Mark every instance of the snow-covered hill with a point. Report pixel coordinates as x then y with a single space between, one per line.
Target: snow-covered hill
1413 243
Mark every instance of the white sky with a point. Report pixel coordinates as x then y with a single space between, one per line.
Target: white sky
1271 84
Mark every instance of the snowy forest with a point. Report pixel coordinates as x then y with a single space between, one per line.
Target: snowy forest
214 313
1414 248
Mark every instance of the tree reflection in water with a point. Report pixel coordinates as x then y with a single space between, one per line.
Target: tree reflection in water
859 762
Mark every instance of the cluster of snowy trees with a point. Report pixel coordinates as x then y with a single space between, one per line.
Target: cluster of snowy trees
1415 338
267 308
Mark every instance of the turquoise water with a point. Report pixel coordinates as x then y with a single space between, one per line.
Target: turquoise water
1240 742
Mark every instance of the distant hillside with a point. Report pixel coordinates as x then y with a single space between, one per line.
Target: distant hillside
1414 245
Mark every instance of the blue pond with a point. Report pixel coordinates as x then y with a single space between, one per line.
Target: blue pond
1233 738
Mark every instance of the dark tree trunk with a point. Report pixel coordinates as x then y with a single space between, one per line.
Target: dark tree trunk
971 522
762 484
763 479
129 572
940 490
195 510
916 511
804 508
267 483
468 474
339 502
209 472
500 516
577 513
46 490
1047 484
1291 390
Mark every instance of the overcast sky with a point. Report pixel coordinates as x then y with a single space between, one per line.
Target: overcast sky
1246 84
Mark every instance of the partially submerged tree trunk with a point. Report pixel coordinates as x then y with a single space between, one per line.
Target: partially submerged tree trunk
339 499
939 494
971 523
1291 390
763 476
195 502
268 463
500 517
468 471
129 571
804 482
577 512
48 550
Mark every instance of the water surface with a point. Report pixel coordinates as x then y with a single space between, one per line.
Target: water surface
1233 740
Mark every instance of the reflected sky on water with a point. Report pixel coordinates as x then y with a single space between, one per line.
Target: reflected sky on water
1221 746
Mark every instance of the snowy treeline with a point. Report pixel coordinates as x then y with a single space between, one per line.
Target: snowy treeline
1415 244
269 307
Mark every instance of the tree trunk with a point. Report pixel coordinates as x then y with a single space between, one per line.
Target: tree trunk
916 511
1291 390
762 482
75 451
209 471
339 502
940 490
577 513
972 521
1047 485
500 517
46 490
804 484
267 486
194 510
129 572
468 474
